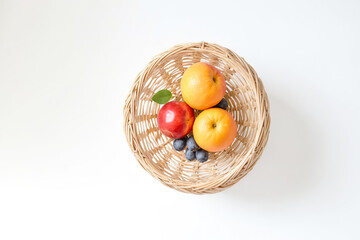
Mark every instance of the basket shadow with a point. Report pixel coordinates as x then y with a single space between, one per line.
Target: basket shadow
289 167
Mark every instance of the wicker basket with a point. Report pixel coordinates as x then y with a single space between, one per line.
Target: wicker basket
248 104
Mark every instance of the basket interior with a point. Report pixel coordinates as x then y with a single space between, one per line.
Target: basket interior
166 74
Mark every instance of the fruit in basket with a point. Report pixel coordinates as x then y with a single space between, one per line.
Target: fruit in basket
202 155
189 155
191 144
175 119
202 86
222 104
214 129
180 144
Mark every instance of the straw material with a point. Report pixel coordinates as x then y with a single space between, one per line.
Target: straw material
248 103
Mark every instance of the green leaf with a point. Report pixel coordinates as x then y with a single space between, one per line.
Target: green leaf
162 96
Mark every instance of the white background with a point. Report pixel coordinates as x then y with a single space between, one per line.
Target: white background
66 171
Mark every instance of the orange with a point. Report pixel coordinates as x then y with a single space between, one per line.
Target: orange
202 86
214 129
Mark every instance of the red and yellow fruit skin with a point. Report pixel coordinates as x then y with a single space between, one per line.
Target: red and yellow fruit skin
214 129
175 119
202 86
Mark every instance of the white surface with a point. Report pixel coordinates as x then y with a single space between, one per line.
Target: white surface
66 171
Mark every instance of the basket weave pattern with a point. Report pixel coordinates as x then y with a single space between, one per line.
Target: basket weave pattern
248 103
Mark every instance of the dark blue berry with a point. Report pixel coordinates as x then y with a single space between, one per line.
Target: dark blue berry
191 144
189 155
222 104
180 144
202 155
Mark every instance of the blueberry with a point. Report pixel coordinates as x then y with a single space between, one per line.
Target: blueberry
189 155
180 144
222 104
202 155
191 144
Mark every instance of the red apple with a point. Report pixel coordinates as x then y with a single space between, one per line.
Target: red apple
175 119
